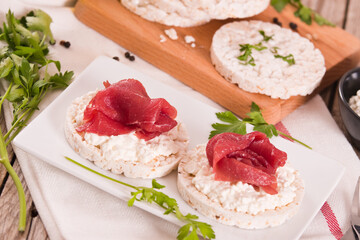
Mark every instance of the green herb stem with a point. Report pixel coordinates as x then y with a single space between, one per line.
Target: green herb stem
255 118
102 175
5 95
21 194
15 125
189 231
20 127
294 139
22 200
20 64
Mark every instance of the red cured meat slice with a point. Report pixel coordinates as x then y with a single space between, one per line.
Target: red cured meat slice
249 158
124 107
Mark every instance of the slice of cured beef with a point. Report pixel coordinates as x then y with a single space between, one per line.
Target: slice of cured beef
124 107
249 158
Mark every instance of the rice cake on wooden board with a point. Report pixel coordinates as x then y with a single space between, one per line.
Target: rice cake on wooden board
340 49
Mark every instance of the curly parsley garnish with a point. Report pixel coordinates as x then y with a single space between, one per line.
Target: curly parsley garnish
189 231
246 58
265 37
303 12
289 58
255 118
24 65
246 49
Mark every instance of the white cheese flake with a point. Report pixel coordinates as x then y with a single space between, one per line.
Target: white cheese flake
355 103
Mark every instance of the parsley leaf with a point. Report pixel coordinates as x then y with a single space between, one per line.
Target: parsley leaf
274 49
189 231
289 58
265 37
254 118
40 22
235 125
303 12
322 21
24 65
279 4
246 58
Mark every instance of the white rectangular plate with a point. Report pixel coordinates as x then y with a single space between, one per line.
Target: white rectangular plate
44 138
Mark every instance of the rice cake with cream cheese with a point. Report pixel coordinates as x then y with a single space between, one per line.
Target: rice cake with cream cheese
125 153
270 76
238 203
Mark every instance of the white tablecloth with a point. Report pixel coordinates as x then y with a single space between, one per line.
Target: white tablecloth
72 209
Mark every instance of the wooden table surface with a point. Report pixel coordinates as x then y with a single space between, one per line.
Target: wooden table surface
344 13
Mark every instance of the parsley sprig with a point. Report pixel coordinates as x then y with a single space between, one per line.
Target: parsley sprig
265 37
189 231
288 58
255 118
24 65
303 12
246 57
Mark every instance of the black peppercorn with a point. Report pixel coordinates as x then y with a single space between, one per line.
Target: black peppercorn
116 58
127 54
293 26
65 43
276 21
132 58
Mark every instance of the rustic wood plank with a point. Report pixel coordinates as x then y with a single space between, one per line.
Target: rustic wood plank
335 12
353 18
331 10
352 26
130 31
9 213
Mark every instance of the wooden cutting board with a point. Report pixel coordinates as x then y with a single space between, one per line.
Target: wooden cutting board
193 67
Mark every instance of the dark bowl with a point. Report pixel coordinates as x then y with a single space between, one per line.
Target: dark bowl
348 86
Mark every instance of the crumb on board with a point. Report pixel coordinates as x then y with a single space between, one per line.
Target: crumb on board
171 33
162 38
190 40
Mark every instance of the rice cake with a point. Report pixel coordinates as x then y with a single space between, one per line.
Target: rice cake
169 12
188 13
230 215
223 9
127 156
270 76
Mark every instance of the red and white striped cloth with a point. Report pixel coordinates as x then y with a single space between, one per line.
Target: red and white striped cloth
327 212
72 209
